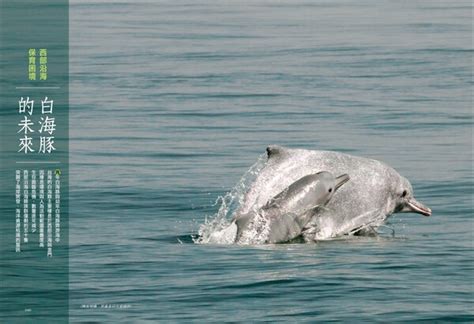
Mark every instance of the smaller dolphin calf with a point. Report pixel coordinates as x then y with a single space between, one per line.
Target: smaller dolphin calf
284 216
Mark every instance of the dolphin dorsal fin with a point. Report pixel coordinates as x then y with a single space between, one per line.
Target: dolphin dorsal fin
275 151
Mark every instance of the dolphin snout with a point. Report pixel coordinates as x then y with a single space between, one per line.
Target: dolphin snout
417 207
342 179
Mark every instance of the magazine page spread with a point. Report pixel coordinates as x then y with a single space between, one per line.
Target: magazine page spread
239 161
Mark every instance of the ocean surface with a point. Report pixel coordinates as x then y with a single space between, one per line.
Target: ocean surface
173 101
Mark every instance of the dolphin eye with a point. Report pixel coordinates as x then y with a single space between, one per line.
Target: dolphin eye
330 189
404 193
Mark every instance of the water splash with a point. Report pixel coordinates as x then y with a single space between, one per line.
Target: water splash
216 229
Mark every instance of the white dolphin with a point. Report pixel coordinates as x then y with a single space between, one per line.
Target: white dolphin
374 192
284 216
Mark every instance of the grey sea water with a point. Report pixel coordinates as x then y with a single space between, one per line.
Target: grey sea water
172 101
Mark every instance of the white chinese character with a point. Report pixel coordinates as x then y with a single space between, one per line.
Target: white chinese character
47 125
46 106
25 144
25 125
25 106
46 144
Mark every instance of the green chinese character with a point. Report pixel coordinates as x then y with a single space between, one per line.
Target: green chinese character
32 52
